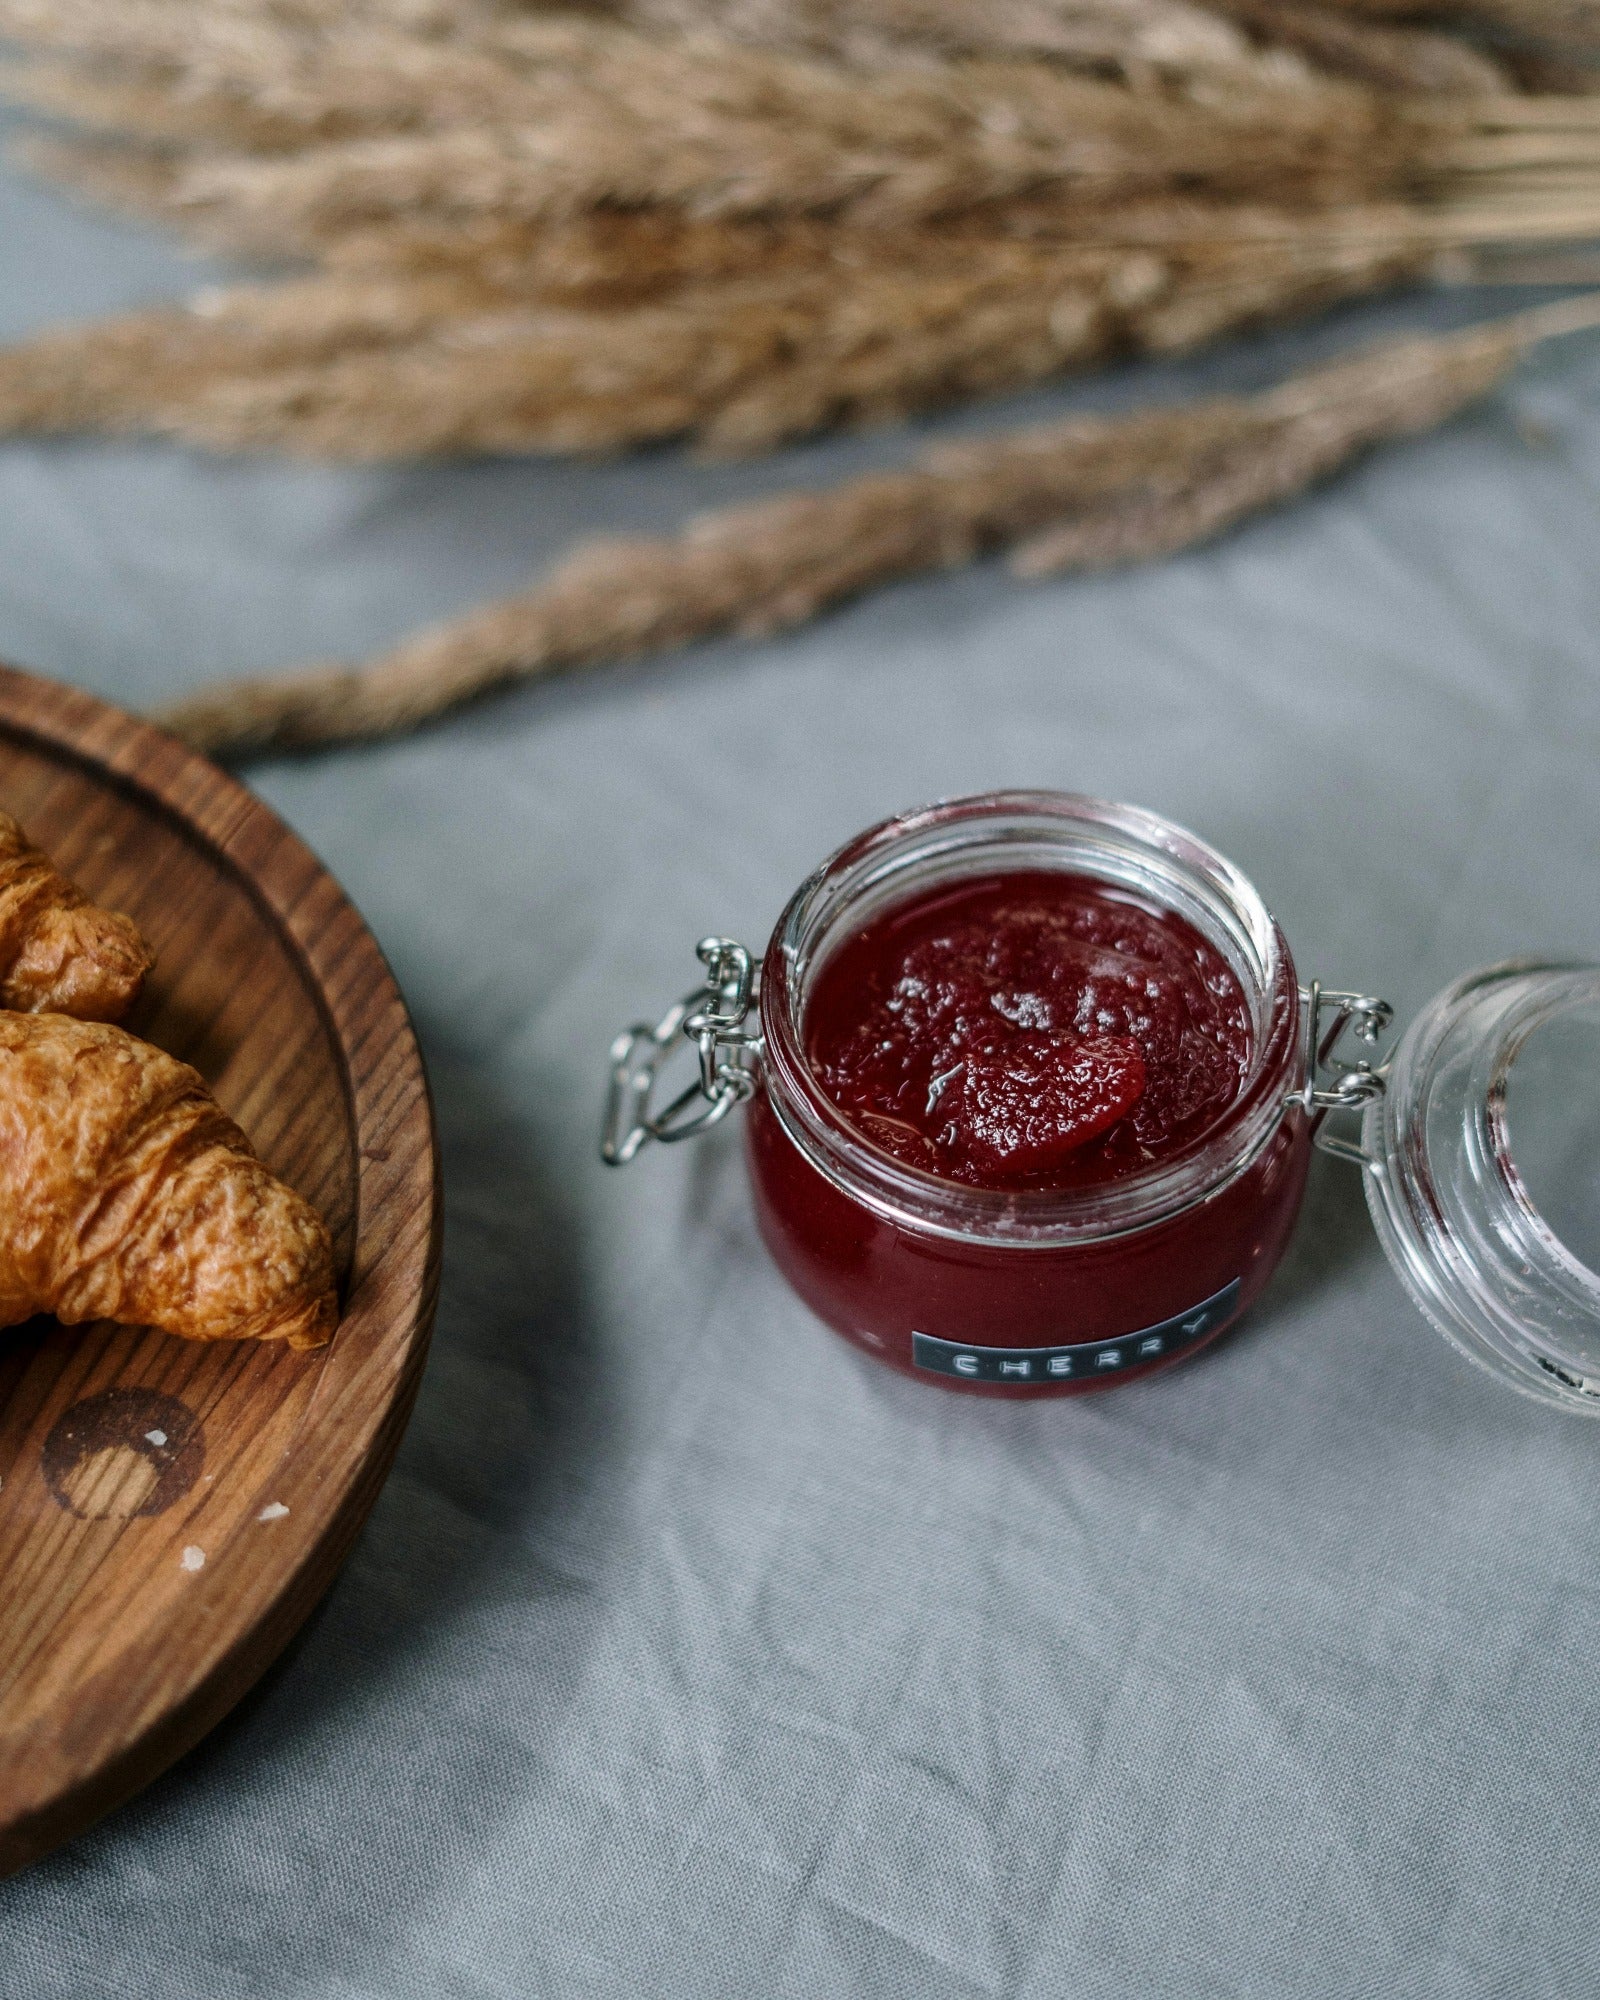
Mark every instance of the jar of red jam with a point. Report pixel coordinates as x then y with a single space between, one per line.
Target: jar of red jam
1032 1085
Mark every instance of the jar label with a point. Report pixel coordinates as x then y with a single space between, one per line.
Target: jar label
1085 1358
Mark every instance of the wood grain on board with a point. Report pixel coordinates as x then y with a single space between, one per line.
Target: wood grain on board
170 1512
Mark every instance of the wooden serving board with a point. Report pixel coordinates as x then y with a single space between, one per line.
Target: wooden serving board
170 1512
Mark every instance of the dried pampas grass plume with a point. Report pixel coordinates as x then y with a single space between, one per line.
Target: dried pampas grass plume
734 220
618 331
526 228
1088 493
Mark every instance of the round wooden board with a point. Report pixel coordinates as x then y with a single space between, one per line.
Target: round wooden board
148 1570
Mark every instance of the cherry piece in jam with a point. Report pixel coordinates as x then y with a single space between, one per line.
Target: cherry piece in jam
1031 1029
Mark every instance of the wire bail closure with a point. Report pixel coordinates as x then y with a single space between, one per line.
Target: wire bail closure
714 1018
1334 1082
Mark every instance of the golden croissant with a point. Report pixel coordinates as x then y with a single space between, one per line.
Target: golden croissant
127 1193
59 953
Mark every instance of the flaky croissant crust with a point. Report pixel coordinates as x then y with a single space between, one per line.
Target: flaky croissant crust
127 1193
60 953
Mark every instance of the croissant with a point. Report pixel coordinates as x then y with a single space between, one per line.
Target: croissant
60 954
127 1193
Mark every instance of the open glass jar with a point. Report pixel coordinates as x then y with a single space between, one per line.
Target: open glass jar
1052 1291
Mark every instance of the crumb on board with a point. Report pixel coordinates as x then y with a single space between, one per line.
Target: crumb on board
155 1437
193 1557
273 1511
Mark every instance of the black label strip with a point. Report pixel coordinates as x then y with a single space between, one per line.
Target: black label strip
1086 1358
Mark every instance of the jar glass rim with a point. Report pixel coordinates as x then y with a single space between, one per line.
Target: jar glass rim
1448 1200
1124 845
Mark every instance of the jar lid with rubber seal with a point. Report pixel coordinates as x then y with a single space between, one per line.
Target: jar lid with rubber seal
1030 1084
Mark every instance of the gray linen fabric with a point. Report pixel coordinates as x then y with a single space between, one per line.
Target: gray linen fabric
688 1654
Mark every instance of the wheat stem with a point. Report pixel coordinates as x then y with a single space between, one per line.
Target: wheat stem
1086 493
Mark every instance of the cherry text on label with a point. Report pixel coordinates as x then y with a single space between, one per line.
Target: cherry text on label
1019 1367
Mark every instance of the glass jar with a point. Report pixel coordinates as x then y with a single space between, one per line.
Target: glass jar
1054 1292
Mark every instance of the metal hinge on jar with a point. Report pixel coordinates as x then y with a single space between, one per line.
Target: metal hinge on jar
714 1019
1334 1082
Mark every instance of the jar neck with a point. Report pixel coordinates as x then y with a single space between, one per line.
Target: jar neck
1133 852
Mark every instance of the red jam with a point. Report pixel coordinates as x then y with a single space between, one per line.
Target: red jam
1104 1121
1029 1030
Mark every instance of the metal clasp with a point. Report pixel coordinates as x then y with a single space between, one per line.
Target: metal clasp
1333 1082
713 1017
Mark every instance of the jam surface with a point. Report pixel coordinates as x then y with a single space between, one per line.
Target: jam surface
1028 1030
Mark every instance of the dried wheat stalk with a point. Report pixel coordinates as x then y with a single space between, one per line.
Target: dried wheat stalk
1542 45
611 119
1170 36
1136 39
219 49
365 123
546 233
1575 23
745 219
1139 33
830 328
1089 492
621 329
1373 52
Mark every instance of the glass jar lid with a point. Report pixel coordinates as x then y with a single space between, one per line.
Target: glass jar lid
1483 1173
